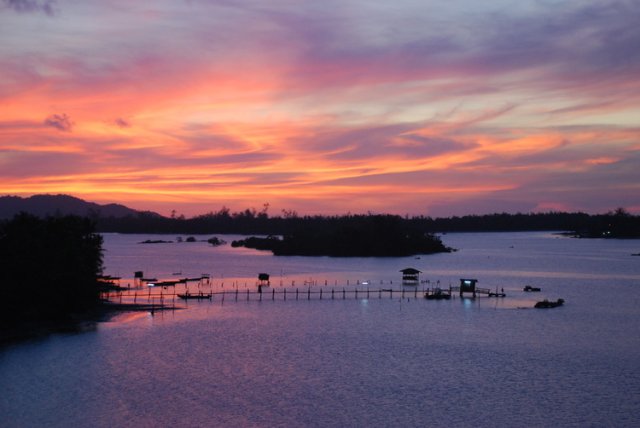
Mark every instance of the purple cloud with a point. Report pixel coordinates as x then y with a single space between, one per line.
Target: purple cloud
61 122
27 6
122 123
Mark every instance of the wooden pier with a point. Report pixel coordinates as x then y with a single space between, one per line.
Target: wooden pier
164 293
283 294
272 294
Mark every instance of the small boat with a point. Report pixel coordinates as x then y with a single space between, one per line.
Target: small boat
544 304
437 294
529 288
197 296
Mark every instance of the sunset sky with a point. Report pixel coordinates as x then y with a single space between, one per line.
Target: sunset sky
420 107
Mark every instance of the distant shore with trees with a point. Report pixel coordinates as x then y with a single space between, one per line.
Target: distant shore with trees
618 223
615 224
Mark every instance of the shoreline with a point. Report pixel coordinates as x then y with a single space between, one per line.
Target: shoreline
23 331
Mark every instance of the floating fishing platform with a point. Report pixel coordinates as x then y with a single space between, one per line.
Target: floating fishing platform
437 294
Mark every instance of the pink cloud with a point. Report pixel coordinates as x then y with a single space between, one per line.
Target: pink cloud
334 108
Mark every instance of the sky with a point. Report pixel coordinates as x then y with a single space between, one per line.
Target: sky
410 107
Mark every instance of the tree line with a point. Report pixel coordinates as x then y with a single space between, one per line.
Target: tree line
614 224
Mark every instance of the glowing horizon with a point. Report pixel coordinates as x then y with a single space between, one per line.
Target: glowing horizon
433 108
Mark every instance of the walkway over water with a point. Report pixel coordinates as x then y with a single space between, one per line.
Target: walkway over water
170 295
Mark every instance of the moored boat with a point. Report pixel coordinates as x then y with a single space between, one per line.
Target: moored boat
197 296
437 294
544 304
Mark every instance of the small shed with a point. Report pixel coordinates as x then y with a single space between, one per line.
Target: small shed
137 278
468 285
263 279
410 276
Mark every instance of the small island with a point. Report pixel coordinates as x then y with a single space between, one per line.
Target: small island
216 242
155 241
352 236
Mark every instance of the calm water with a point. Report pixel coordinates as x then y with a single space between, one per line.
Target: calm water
354 362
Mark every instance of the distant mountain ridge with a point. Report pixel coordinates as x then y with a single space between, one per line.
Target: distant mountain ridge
51 205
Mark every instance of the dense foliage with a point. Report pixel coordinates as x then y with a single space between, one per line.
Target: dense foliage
362 236
48 267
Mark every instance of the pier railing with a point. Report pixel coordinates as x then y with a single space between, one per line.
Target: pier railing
266 293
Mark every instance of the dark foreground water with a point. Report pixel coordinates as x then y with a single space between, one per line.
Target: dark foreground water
354 362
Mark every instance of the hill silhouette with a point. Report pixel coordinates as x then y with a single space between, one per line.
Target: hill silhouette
60 205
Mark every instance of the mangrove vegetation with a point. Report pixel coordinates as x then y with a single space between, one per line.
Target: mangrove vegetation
49 269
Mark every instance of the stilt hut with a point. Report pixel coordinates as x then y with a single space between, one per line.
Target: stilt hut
137 278
468 286
410 276
263 279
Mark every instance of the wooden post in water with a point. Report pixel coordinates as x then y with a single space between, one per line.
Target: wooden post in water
296 294
273 294
357 292
309 293
344 293
321 294
332 294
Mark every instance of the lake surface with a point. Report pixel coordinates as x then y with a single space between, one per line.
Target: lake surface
375 362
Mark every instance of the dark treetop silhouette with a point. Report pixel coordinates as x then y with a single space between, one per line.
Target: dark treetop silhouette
49 268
